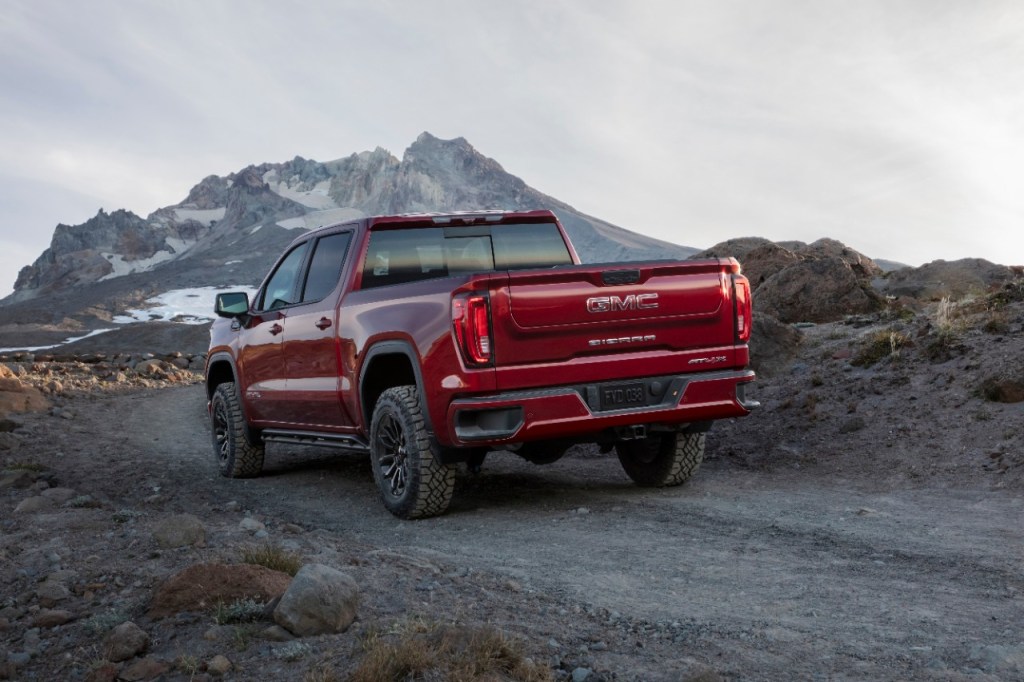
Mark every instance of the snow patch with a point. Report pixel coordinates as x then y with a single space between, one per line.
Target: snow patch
32 349
187 306
233 262
255 229
123 267
316 198
206 216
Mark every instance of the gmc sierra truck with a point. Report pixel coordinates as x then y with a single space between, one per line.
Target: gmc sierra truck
430 340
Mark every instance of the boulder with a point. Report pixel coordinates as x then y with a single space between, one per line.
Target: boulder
125 641
861 265
202 586
817 290
953 279
732 248
773 345
17 397
320 600
766 260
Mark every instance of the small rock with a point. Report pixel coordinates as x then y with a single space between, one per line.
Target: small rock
11 613
216 632
218 665
18 478
250 525
292 529
51 591
232 506
124 642
599 646
58 495
147 669
49 618
19 658
276 633
581 674
33 504
319 600
180 530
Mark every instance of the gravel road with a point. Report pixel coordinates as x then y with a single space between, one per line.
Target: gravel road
786 574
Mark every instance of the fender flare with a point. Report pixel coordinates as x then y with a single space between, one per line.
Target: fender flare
393 347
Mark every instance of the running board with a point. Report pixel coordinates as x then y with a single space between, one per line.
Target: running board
342 441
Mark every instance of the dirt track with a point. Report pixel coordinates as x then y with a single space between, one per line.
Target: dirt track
786 574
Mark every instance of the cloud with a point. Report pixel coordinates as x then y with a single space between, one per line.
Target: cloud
896 127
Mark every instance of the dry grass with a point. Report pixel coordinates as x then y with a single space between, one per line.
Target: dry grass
448 652
882 344
273 557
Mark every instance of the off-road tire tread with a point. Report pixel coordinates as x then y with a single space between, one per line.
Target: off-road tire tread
432 482
247 458
676 459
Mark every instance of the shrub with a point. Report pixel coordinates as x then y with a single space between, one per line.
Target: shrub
273 557
880 345
449 652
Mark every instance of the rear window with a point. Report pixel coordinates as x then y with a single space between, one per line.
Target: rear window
410 255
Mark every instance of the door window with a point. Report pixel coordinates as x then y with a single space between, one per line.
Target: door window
325 266
281 290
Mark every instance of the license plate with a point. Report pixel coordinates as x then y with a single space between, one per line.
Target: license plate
620 396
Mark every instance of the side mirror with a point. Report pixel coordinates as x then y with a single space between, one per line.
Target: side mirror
232 304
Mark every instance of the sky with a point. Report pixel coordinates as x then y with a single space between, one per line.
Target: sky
894 126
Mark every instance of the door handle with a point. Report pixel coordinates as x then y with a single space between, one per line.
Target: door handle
323 323
276 329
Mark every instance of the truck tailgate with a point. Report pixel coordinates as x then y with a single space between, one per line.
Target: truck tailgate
605 313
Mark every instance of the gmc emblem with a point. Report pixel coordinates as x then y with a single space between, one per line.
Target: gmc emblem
609 304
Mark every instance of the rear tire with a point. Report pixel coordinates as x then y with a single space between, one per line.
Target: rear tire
663 460
412 480
236 456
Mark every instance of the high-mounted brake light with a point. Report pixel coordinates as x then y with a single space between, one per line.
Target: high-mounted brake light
744 308
471 321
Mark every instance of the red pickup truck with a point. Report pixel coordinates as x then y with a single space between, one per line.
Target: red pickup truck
428 340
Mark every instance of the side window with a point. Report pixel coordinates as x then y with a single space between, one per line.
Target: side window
398 256
280 289
325 267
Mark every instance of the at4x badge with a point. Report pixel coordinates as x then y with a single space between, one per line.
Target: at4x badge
713 360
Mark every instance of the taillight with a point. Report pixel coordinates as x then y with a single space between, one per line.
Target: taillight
472 323
744 308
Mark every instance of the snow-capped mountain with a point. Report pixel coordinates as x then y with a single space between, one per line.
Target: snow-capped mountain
229 229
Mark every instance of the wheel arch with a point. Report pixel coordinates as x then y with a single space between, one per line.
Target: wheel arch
220 369
388 364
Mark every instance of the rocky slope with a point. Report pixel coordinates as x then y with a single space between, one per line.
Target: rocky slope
863 524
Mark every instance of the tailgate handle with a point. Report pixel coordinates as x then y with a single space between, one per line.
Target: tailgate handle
617 277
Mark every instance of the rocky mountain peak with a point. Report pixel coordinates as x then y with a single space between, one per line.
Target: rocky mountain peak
244 220
210 193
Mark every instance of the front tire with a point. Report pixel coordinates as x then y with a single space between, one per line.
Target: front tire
412 480
662 460
236 456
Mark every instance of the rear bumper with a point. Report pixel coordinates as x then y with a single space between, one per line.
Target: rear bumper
582 410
